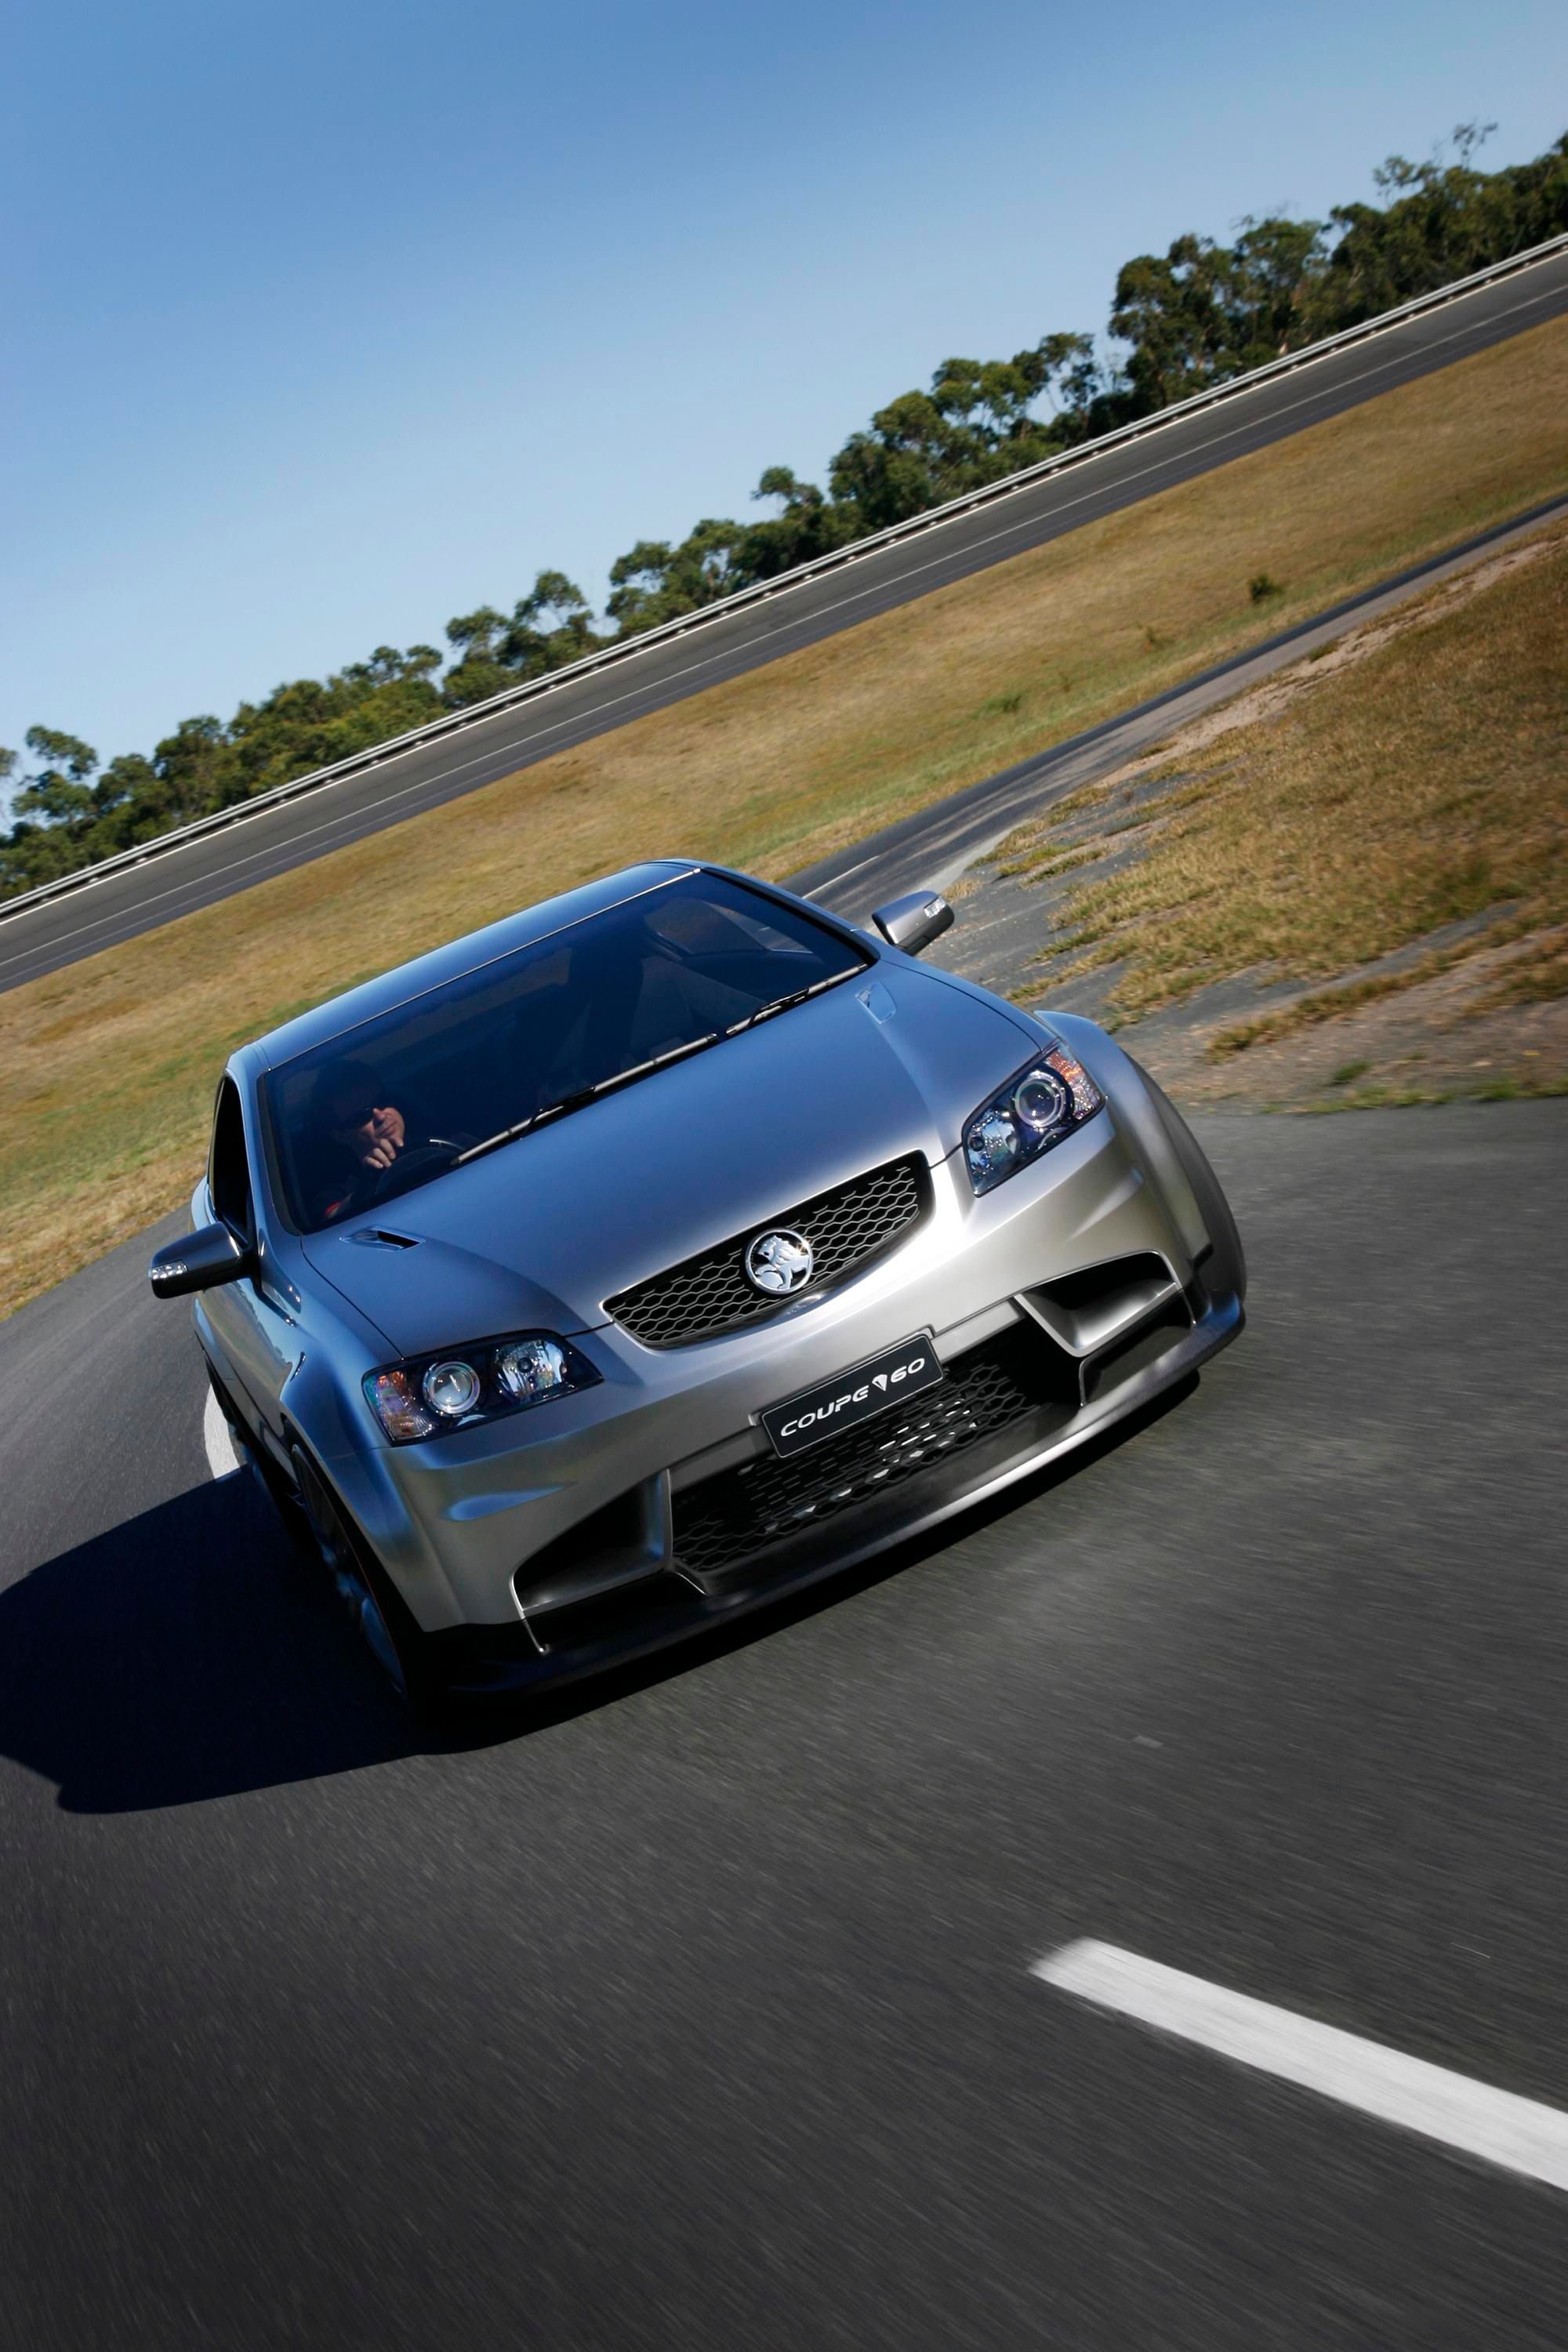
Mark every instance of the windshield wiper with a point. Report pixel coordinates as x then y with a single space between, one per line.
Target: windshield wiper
582 1094
660 1061
524 1126
795 996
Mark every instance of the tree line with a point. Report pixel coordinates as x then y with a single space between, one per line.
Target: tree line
1201 313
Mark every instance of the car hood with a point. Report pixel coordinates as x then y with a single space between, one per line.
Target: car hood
539 1234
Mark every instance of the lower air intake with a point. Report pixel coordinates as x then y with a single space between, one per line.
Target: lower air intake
726 1520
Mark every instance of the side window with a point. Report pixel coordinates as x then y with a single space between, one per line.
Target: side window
228 1172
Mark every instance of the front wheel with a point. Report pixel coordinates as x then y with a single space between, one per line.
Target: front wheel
1226 1270
381 1617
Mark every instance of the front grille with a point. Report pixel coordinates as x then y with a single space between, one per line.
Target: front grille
710 1293
729 1519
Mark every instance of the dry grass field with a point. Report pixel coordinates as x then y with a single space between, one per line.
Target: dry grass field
1388 824
106 1069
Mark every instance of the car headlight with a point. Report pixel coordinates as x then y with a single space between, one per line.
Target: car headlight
423 1395
1041 1105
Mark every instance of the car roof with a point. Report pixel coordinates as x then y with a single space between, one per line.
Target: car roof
405 980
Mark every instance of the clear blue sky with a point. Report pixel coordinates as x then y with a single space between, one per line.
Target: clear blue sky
326 322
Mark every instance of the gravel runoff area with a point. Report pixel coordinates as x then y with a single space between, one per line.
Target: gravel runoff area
1401 791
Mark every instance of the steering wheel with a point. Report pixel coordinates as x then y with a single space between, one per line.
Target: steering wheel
372 1181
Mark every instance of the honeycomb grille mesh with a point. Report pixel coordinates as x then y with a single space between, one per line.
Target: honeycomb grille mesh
729 1519
710 1293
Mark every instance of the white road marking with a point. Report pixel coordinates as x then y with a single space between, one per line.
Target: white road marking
1520 2134
222 1459
834 879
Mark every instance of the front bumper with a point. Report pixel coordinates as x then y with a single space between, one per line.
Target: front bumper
671 1603
549 1544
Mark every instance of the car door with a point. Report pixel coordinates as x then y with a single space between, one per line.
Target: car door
251 1318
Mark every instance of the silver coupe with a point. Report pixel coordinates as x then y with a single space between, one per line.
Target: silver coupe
666 1247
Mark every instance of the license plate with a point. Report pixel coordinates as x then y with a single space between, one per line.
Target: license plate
854 1396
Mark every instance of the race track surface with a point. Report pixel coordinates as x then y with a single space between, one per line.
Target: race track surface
60 932
700 2013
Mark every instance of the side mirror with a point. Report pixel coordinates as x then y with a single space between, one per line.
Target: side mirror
913 921
209 1255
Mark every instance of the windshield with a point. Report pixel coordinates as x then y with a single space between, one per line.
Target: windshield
472 1064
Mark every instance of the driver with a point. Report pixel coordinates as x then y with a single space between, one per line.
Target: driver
361 1134
351 1118
374 1132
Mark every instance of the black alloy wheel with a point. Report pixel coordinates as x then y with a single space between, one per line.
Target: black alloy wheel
381 1617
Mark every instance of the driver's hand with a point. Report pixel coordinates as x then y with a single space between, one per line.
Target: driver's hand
380 1139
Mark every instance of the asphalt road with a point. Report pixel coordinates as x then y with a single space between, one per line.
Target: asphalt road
700 2015
271 842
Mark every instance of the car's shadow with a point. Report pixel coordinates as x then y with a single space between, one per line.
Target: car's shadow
181 1655
185 1655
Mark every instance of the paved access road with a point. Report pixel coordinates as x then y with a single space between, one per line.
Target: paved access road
702 2015
932 846
270 842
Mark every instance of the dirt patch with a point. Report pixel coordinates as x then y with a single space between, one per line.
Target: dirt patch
1434 1041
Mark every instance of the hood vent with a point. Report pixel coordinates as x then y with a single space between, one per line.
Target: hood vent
381 1237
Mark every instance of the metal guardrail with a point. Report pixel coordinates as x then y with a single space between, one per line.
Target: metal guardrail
476 714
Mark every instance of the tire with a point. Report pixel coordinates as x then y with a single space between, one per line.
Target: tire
381 1617
1225 1269
259 1465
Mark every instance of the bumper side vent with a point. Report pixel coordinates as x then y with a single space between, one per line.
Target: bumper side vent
621 1544
627 1614
1140 1348
1086 1311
